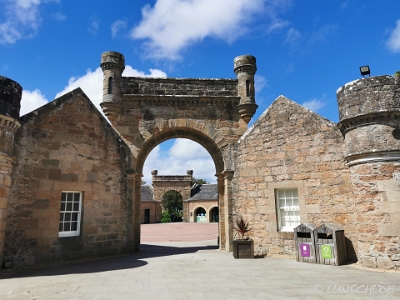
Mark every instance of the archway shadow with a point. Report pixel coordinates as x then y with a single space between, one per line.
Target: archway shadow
98 265
153 250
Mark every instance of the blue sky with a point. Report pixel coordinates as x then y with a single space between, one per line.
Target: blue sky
305 50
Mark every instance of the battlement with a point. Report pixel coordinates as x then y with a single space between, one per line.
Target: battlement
10 97
179 87
112 60
369 111
170 178
374 95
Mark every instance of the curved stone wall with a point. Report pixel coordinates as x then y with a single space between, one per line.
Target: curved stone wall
10 97
369 95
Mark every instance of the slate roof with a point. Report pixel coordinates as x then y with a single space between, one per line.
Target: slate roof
147 193
204 192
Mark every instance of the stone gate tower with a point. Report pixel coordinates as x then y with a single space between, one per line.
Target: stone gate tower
211 112
179 183
369 111
10 99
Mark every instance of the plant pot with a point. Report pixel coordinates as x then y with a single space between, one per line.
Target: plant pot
243 249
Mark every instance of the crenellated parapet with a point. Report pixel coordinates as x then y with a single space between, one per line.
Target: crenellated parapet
369 111
179 87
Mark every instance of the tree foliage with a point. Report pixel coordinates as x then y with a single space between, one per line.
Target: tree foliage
173 204
199 181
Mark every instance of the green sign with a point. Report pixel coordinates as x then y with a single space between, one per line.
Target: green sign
326 251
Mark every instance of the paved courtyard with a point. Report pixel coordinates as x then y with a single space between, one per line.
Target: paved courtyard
197 270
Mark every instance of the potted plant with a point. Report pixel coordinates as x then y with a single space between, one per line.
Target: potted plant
243 247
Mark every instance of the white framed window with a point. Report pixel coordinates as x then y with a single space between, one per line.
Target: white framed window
70 214
287 207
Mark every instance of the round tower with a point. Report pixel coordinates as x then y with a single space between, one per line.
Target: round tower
245 68
112 64
10 103
369 111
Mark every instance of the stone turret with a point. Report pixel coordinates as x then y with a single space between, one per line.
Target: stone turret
10 103
369 111
112 64
245 68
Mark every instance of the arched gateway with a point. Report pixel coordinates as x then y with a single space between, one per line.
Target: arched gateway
211 112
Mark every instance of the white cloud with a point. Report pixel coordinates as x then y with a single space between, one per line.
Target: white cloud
59 16
117 26
314 104
182 156
94 25
31 101
21 20
172 25
293 36
394 40
184 148
322 33
276 25
259 83
92 82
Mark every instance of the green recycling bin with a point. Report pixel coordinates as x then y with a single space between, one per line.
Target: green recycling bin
330 246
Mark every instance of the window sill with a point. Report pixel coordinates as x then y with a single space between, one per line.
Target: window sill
67 234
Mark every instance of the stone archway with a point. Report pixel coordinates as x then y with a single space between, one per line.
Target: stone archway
211 112
223 176
213 214
200 210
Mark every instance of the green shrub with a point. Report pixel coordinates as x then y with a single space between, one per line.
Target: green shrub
165 217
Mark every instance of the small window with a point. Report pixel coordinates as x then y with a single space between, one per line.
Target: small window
248 88
110 85
287 206
70 214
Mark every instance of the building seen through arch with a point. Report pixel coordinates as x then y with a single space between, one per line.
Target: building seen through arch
200 201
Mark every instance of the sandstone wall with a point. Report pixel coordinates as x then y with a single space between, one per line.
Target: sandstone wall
369 111
291 147
377 199
155 211
67 146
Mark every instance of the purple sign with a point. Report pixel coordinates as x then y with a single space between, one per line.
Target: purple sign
305 250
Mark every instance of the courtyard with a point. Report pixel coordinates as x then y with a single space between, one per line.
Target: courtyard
182 261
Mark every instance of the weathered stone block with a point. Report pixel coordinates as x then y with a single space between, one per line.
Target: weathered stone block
41 204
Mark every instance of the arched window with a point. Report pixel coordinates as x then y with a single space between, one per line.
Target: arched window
110 85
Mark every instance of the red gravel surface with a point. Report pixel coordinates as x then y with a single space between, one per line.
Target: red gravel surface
178 232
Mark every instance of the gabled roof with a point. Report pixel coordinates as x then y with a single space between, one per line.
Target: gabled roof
56 103
204 192
281 100
147 193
